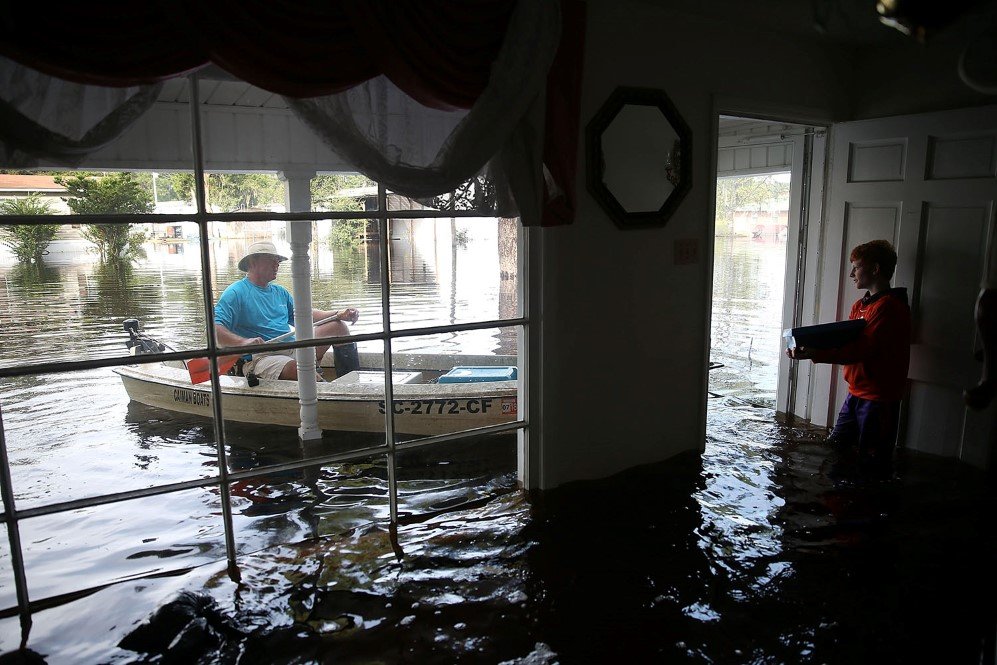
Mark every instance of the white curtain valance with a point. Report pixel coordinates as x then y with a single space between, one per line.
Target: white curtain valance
375 127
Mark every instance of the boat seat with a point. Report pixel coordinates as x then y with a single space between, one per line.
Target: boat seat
377 377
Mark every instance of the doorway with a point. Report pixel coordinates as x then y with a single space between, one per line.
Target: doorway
764 198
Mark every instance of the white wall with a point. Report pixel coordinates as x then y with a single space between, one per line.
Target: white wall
625 329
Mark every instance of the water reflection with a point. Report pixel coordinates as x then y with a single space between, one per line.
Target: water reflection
32 276
757 552
73 310
746 330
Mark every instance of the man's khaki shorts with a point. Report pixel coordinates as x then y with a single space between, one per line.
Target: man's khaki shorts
267 365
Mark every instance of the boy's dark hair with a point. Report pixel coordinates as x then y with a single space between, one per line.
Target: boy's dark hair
877 251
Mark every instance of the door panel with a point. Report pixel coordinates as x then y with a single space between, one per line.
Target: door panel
928 183
950 278
935 417
862 224
877 161
971 157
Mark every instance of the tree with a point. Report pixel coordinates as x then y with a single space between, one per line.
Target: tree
478 193
182 184
241 191
229 192
27 241
115 193
330 192
734 193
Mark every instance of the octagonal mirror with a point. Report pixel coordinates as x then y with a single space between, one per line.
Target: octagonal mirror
639 157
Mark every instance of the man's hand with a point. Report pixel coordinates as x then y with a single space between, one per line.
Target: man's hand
226 337
350 314
800 353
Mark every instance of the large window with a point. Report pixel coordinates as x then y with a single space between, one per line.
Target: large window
113 459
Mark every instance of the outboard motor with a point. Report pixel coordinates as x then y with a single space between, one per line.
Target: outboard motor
139 343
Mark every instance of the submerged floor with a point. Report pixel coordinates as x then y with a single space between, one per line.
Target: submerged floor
768 549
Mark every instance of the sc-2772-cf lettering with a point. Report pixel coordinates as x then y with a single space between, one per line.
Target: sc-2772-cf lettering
438 407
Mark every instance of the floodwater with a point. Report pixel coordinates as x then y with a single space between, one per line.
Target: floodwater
746 331
768 548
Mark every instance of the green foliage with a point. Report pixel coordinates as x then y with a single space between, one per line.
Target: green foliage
241 191
347 232
478 193
27 241
734 193
115 193
328 191
33 278
328 194
227 192
181 184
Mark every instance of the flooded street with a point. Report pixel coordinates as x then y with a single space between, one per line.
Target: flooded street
768 548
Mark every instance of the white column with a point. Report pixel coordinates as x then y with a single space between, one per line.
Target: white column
297 197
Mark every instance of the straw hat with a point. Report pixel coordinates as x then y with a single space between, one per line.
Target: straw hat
262 247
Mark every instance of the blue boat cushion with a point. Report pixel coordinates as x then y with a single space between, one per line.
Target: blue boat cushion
475 374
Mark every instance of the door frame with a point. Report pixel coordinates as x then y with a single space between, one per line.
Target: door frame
774 112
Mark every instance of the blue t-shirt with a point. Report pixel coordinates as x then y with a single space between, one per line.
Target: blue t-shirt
253 311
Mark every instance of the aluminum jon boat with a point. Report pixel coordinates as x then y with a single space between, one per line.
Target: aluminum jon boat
432 395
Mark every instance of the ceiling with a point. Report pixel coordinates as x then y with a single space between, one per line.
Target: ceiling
218 88
843 22
840 24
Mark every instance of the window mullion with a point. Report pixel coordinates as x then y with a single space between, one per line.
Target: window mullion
389 393
14 537
209 325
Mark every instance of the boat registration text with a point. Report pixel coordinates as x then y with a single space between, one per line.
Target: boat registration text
443 407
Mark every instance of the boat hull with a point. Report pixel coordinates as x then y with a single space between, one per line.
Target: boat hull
419 409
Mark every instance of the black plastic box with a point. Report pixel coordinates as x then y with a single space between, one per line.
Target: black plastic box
824 335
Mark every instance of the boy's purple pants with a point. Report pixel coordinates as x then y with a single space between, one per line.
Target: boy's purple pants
869 425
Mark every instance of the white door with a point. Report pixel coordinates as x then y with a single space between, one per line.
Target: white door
927 183
800 286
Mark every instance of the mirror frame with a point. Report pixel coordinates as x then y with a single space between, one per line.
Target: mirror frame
596 165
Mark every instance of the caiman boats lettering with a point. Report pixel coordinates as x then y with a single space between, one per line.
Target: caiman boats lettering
195 397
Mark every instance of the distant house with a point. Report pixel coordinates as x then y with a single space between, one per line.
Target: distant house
763 220
367 195
13 187
172 232
43 186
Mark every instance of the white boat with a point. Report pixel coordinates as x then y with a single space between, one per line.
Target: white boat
353 402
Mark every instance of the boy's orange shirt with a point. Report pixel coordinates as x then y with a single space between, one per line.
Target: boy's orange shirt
876 364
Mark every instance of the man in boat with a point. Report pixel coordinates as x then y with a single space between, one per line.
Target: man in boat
876 364
254 310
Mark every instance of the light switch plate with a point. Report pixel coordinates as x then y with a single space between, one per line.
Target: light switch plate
686 251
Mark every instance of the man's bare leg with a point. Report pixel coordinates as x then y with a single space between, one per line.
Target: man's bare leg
330 329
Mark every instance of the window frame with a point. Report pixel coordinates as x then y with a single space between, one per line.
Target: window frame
528 260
